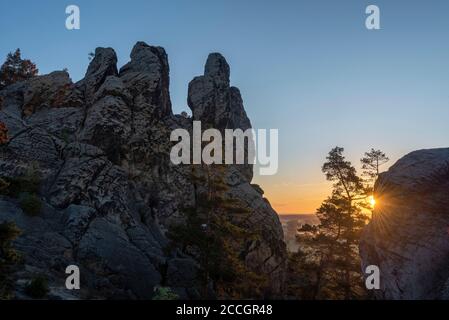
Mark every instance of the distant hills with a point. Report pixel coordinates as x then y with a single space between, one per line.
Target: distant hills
290 224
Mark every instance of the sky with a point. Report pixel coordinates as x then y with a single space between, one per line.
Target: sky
310 69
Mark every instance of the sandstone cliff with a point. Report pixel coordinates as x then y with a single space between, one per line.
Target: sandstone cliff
109 191
408 237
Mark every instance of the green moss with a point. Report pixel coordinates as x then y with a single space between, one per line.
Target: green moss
164 293
25 188
22 184
9 258
27 183
31 204
66 135
4 186
37 288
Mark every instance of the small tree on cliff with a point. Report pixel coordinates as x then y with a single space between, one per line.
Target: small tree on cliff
372 161
213 235
16 69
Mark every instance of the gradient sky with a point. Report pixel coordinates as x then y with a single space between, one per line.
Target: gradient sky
308 68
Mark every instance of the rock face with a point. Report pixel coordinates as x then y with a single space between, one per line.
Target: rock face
216 104
408 237
109 191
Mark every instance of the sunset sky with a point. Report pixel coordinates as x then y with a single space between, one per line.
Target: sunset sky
308 68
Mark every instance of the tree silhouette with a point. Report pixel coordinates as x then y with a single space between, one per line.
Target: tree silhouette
371 163
333 262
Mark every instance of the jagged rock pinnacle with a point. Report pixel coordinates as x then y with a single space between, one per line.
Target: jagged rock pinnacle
109 191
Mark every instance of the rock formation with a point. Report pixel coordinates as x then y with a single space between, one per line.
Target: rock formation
108 189
408 237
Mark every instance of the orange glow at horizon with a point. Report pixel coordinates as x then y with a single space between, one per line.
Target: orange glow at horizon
289 198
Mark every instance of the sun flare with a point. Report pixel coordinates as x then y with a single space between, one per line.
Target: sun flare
372 201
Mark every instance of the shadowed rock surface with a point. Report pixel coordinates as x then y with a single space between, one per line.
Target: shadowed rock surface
408 237
108 188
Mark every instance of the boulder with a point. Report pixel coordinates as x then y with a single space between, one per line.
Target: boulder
408 236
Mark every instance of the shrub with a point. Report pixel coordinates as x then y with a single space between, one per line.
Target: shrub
3 133
37 288
65 135
28 183
8 259
16 69
164 293
31 204
3 186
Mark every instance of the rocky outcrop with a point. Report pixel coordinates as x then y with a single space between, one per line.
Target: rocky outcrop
109 191
147 78
408 237
104 64
216 104
54 90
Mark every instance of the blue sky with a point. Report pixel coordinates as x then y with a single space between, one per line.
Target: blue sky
309 68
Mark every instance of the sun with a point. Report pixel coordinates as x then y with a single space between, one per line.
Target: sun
372 201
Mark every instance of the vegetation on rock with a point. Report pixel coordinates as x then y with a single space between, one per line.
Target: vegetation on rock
31 204
164 293
16 69
8 259
37 288
327 265
212 232
3 133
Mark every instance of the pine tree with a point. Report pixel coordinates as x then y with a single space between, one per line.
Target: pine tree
16 69
212 233
371 163
335 265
